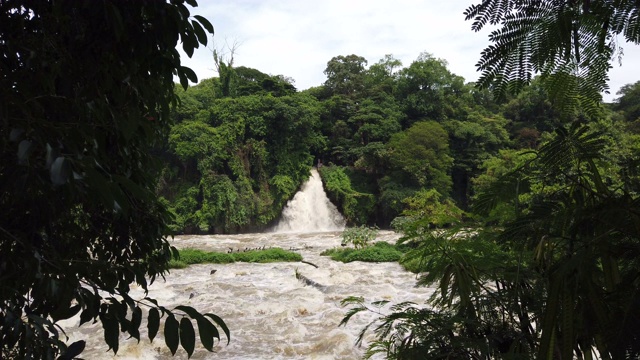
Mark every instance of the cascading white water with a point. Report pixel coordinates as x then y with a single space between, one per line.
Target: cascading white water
310 210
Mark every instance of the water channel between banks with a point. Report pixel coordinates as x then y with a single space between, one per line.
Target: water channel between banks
270 313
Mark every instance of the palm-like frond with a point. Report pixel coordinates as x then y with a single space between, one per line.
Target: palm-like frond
570 43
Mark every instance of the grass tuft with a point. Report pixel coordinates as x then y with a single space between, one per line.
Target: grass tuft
194 256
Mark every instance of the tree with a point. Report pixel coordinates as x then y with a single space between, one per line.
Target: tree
242 158
629 105
428 90
251 81
422 151
345 74
471 142
381 76
87 89
532 109
223 61
556 279
570 43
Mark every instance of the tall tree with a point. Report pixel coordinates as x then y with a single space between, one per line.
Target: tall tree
422 151
223 61
628 104
381 76
86 89
345 74
428 90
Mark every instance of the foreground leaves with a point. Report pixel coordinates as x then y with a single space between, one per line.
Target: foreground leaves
87 90
571 43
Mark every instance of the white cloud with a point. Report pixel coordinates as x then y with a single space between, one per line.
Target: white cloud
296 38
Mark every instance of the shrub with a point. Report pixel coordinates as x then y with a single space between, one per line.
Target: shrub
359 236
380 252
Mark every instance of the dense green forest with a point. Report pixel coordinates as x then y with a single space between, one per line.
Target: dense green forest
386 134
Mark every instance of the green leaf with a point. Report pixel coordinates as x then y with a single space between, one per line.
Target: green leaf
189 43
73 350
86 315
189 311
187 336
65 312
202 36
153 301
183 79
190 74
111 331
350 314
136 319
207 332
153 323
222 325
172 334
207 25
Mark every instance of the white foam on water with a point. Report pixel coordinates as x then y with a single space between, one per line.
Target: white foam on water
310 210
270 313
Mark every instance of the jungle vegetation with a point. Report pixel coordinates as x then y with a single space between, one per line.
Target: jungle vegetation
387 136
530 158
86 91
546 266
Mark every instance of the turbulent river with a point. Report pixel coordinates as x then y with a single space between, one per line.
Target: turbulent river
271 315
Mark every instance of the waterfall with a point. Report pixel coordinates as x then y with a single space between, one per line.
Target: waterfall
310 210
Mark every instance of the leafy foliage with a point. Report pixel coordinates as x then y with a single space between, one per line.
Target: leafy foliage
355 205
569 42
241 160
629 105
422 152
360 236
380 251
345 74
428 90
87 90
432 206
235 159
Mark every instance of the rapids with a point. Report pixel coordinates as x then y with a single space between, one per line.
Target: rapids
271 315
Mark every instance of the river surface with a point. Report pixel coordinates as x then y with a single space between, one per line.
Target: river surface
270 313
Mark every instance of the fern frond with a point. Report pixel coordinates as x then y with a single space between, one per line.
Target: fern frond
570 43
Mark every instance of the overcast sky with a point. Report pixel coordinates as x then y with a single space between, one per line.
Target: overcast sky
296 38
